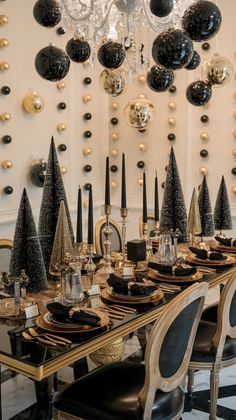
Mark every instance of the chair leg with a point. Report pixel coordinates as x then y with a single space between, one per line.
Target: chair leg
190 382
214 389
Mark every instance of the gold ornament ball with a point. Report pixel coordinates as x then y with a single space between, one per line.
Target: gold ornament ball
203 170
114 152
86 63
139 113
7 164
114 136
61 127
113 184
61 84
142 147
6 116
87 151
3 19
217 71
142 78
172 106
204 136
234 152
114 82
140 182
33 103
4 65
234 133
171 122
86 203
233 190
87 98
115 106
63 170
4 42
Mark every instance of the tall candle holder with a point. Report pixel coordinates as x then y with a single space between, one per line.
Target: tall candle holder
107 243
90 266
149 253
123 214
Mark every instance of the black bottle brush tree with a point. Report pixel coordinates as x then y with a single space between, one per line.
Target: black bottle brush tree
173 211
222 213
205 209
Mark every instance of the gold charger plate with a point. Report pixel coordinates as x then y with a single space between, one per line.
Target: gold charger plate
222 263
148 299
46 325
154 275
131 298
222 248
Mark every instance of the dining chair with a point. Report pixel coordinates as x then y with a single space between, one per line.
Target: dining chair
115 238
5 254
215 343
129 390
150 225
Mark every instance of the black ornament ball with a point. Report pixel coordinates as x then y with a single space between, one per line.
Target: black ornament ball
202 20
114 121
52 63
87 81
233 171
140 164
47 13
78 50
88 134
6 139
8 190
87 168
171 137
204 118
61 106
194 62
173 89
37 174
203 153
114 168
172 49
87 116
87 186
61 31
163 185
206 46
161 8
198 93
6 90
159 79
111 55
62 147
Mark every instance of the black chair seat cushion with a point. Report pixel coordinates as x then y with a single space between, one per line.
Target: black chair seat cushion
111 393
202 349
210 313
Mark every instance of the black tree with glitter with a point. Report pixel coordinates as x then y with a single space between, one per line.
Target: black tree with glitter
53 193
26 252
173 211
222 213
205 209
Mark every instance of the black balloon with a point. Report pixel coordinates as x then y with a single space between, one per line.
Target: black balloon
204 118
173 89
161 8
6 139
171 137
199 93
47 13
203 153
52 63
114 168
61 106
159 79
172 49
87 116
140 164
194 62
37 174
6 90
114 121
88 134
111 55
87 80
78 50
8 190
87 168
202 20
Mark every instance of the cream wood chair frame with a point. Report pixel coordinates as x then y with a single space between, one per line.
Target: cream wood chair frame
6 243
223 330
98 226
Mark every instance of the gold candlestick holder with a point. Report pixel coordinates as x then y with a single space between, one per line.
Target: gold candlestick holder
123 214
107 231
156 230
90 266
149 253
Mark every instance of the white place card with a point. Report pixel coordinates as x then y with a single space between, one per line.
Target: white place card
128 271
31 311
94 290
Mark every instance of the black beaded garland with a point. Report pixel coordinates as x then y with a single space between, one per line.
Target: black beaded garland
111 55
114 168
62 147
206 46
88 134
6 139
47 13
8 190
61 106
173 89
171 137
61 31
140 164
233 171
87 168
163 185
78 50
52 63
87 116
87 186
204 118
203 153
114 121
5 90
87 81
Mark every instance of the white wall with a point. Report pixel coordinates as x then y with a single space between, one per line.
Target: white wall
31 133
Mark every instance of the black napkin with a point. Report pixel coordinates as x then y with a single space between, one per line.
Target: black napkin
168 270
226 241
118 284
62 313
217 256
137 290
204 255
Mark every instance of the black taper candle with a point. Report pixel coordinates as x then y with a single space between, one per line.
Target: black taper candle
90 217
123 184
156 201
79 230
107 183
144 199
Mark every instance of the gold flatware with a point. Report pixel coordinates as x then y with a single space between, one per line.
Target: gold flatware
34 333
29 337
125 309
113 314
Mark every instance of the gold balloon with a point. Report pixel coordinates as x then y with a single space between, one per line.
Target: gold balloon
63 170
142 96
204 136
234 114
7 164
4 65
142 78
114 82
217 71
86 203
171 122
172 106
5 116
114 136
61 84
61 127
4 42
234 133
142 147
234 190
113 184
33 103
87 151
3 20
87 98
115 106
114 152
234 152
203 170
140 182
139 113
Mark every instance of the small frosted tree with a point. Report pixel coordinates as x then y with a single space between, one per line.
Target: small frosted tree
222 213
205 209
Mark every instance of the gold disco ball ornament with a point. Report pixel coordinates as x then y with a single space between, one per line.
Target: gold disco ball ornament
114 82
139 113
217 71
33 103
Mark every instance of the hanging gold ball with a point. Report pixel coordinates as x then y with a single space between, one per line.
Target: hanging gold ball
203 170
234 114
33 103
115 106
86 63
234 133
142 78
234 152
3 20
141 96
171 122
139 113
61 84
217 71
233 190
140 182
7 164
113 81
86 203
204 136
114 152
63 170
87 98
142 147
61 127
4 42
114 136
6 116
4 65
87 151
172 106
113 184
